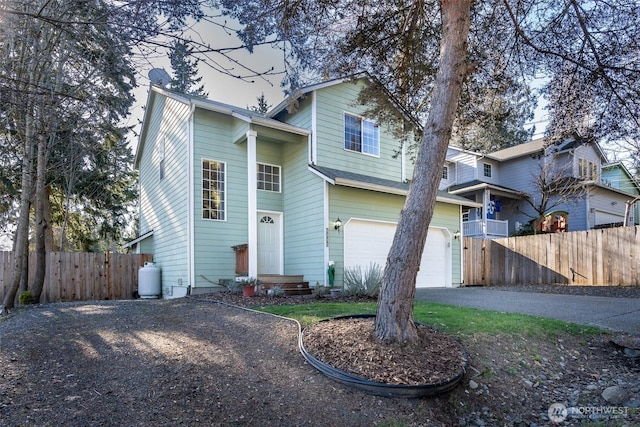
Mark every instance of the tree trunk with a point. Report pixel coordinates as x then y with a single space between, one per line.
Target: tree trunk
41 223
21 252
394 320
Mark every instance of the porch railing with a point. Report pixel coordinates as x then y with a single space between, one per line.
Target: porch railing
492 228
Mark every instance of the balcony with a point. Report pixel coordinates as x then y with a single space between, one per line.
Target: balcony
490 229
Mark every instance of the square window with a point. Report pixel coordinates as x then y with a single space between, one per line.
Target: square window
361 135
268 177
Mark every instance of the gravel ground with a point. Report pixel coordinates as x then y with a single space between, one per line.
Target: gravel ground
199 363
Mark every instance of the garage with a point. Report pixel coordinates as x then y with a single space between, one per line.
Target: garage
367 241
606 218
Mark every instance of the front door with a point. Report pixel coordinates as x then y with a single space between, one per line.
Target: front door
269 243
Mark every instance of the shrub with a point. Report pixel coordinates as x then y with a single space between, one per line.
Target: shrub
359 282
25 297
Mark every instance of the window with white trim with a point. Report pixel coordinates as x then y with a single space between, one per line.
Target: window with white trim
587 169
445 173
361 135
214 190
268 177
487 170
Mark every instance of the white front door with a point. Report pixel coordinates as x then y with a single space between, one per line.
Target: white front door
269 243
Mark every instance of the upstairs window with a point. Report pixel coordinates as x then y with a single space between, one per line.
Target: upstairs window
213 190
361 135
445 173
268 177
587 170
487 170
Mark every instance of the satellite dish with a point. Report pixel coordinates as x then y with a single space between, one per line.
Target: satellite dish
159 77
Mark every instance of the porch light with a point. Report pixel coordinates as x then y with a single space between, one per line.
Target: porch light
337 224
456 234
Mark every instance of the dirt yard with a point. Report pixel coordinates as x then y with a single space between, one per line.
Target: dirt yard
197 362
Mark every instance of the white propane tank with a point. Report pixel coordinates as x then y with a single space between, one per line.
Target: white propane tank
149 285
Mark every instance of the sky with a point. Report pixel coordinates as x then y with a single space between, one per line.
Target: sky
230 90
221 87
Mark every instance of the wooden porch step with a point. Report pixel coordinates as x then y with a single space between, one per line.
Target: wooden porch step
299 288
280 278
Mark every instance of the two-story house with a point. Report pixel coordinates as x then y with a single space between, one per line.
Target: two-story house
299 190
502 180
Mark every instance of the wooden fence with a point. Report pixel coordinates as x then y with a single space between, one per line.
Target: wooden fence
606 257
73 276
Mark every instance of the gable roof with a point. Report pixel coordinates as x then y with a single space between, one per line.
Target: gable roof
334 82
534 146
476 184
366 182
539 145
243 114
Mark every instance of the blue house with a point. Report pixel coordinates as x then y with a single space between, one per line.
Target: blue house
500 181
293 190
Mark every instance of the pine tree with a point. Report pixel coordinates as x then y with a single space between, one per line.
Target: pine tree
185 70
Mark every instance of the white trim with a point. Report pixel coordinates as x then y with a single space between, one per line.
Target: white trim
362 120
191 240
321 175
252 202
461 236
325 208
279 177
313 139
138 239
226 179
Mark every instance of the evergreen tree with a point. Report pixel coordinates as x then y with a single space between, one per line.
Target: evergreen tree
262 107
185 70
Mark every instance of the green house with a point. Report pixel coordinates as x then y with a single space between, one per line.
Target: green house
293 192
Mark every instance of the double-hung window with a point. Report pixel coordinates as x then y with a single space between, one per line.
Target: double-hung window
361 135
487 170
214 190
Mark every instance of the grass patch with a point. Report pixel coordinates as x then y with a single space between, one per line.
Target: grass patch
459 321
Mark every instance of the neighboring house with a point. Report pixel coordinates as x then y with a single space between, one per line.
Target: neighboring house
501 180
617 175
214 177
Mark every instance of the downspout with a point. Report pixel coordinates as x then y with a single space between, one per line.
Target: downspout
252 203
325 197
313 142
191 244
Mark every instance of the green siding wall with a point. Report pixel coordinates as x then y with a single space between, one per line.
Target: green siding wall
347 203
214 257
271 153
304 216
332 103
163 203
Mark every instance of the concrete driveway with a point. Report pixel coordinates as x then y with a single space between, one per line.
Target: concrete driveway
618 314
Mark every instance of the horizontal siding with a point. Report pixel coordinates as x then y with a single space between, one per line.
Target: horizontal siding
347 203
304 216
271 153
213 140
465 169
332 103
163 203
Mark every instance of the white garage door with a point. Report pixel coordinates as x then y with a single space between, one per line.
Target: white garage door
608 218
369 241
